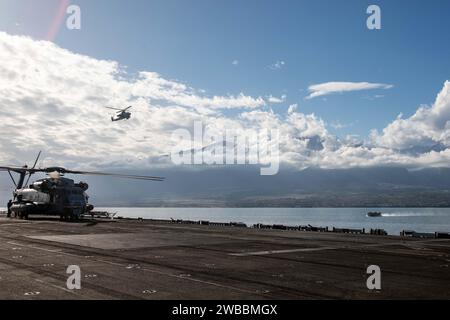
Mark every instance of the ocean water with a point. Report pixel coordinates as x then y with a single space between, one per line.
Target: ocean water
393 220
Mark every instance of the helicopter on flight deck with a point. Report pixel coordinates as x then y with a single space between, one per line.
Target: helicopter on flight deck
54 195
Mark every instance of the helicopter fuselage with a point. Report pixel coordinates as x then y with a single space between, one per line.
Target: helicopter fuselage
60 197
122 116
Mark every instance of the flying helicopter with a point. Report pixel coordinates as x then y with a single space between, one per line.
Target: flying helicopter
121 114
54 195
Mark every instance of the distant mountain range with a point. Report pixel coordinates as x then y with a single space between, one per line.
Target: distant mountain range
242 186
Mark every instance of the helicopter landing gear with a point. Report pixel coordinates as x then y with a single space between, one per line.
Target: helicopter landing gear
69 216
23 216
74 217
65 216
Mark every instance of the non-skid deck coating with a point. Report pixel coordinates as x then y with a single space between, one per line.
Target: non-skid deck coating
130 259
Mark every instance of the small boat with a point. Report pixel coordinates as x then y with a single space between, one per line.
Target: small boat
374 214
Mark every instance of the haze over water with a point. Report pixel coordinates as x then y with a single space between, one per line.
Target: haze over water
393 220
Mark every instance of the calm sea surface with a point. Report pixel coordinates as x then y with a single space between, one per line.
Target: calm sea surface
393 220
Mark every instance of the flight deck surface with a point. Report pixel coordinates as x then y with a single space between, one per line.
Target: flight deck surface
132 259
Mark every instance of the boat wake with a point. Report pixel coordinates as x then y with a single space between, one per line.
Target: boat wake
408 214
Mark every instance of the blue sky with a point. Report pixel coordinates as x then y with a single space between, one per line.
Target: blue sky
320 41
222 63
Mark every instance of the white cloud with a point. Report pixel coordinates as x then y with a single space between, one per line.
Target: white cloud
377 96
235 62
292 108
277 65
275 100
323 89
151 85
53 100
339 125
429 127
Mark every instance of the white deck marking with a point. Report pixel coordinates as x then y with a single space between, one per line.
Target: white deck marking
367 245
168 274
180 277
34 247
58 287
263 253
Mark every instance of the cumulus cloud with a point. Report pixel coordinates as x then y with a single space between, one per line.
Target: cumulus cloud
327 88
292 108
428 129
152 86
53 100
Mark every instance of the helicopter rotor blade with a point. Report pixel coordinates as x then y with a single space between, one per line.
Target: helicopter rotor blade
92 173
116 175
37 159
34 166
113 108
96 173
12 178
20 169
